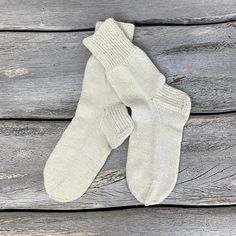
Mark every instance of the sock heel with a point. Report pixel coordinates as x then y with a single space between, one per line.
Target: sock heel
116 124
173 99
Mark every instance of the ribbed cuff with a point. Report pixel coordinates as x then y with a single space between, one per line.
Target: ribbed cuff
127 28
109 45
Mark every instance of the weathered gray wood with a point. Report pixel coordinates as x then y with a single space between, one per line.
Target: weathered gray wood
80 14
41 73
207 170
140 221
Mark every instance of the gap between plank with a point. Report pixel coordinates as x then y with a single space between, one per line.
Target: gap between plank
69 119
117 208
137 24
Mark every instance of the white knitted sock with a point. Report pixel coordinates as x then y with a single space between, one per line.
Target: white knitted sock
159 113
101 123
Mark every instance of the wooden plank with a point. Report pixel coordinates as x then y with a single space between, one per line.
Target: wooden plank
140 221
207 170
74 14
41 73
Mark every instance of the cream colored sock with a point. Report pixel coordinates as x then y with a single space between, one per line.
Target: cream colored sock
101 123
159 113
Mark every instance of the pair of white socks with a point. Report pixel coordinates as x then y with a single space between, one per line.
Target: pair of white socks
120 75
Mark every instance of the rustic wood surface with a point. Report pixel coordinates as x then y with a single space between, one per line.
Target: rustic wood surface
41 73
81 14
140 221
41 77
207 170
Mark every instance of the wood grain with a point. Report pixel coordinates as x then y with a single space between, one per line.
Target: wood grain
207 173
41 73
82 14
140 221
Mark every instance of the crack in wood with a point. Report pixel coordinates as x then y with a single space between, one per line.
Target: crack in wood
107 177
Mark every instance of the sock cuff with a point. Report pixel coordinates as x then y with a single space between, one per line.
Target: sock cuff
173 98
109 45
127 28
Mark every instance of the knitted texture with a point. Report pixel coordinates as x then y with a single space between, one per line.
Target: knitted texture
159 113
108 36
101 123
